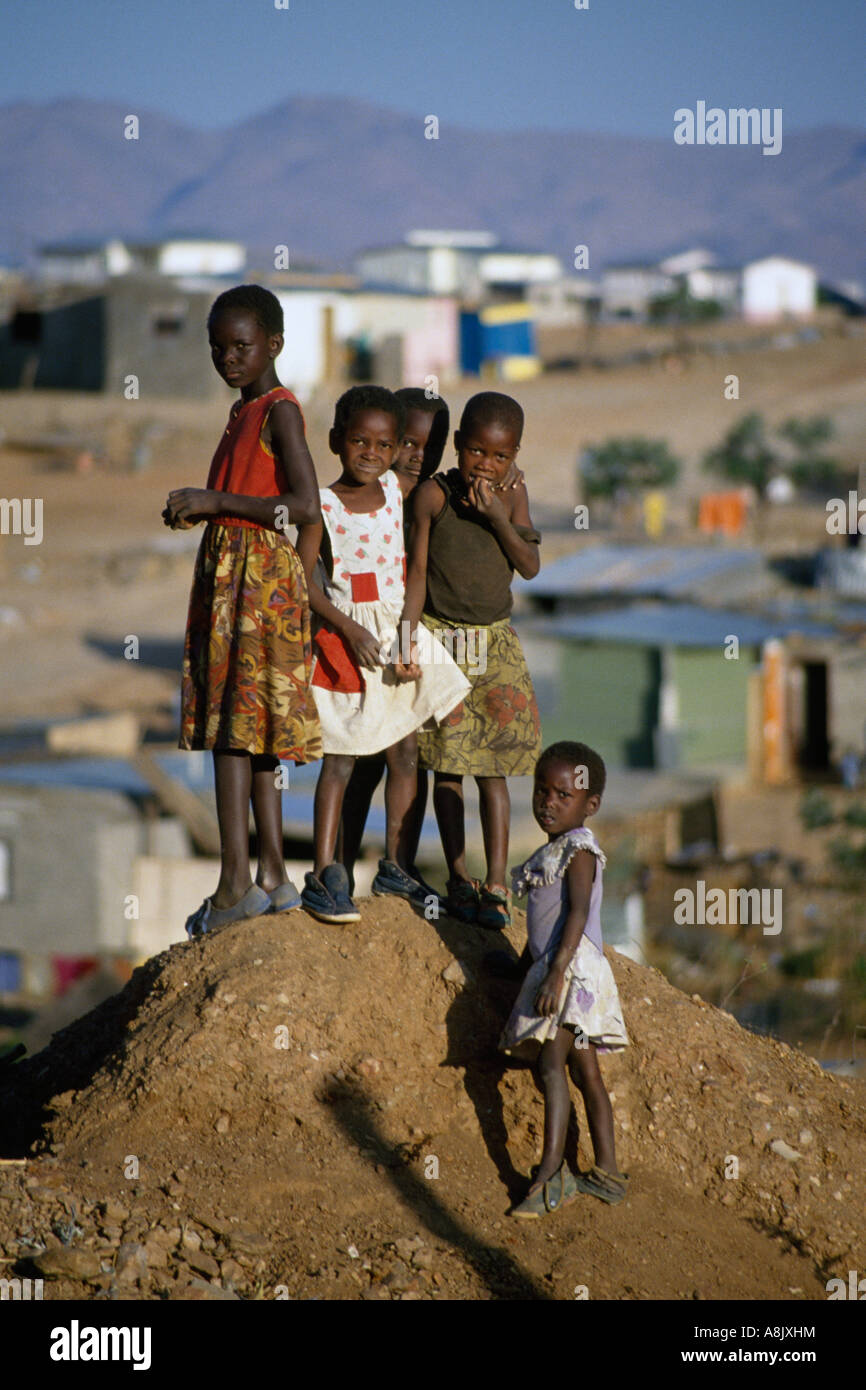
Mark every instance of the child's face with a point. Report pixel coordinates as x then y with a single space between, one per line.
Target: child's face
486 451
367 446
409 459
241 350
560 801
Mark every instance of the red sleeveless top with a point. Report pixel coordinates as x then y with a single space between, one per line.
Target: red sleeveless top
243 464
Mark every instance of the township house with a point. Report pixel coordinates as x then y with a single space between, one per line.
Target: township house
640 637
765 290
100 312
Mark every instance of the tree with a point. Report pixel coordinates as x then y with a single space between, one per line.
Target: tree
627 464
810 467
745 455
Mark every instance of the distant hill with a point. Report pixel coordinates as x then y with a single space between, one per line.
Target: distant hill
328 176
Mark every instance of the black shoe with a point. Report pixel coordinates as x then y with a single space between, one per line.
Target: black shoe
327 898
393 881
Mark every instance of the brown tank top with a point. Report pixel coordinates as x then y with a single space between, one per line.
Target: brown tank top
468 573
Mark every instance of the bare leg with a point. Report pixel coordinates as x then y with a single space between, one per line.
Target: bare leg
495 806
268 816
233 783
400 790
416 818
450 815
328 806
363 782
557 1103
586 1075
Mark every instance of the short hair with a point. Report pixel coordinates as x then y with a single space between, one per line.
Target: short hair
578 755
415 398
493 408
368 398
264 306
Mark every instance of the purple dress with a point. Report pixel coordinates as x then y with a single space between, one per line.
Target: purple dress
589 1003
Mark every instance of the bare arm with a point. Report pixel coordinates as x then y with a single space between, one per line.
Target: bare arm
504 512
579 877
284 434
365 646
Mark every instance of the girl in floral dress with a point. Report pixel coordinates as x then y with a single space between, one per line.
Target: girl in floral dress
247 656
568 1009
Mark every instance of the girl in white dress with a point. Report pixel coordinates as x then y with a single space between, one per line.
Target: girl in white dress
370 693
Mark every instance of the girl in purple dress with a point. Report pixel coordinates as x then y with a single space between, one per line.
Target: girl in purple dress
568 1009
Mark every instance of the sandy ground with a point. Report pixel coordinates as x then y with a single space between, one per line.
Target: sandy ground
290 1108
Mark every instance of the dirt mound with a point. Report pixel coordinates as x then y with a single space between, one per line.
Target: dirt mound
291 1109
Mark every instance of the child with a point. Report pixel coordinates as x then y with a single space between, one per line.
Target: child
568 1002
368 699
471 531
247 656
419 455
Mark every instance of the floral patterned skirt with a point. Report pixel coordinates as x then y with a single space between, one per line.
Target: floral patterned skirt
495 731
589 1003
248 653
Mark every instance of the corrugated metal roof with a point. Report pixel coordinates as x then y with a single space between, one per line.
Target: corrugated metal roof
662 571
674 624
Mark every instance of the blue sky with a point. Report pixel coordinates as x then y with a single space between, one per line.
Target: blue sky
620 66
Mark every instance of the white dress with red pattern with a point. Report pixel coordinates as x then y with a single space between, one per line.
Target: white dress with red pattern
363 711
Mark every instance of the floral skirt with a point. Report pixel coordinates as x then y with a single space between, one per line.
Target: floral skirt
589 1003
248 653
495 731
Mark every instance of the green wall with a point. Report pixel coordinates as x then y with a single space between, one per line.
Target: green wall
606 696
712 699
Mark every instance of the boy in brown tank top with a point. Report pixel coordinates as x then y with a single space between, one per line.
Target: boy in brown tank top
471 531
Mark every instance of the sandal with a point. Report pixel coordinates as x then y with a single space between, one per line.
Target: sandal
463 899
608 1187
254 903
493 909
557 1192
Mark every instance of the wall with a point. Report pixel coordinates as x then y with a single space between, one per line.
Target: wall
69 354
73 853
158 332
604 695
712 704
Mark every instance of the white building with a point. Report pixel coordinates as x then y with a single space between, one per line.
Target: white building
469 264
776 287
627 288
412 336
91 263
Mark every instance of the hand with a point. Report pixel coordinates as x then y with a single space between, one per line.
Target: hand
366 647
186 505
482 497
513 478
547 999
410 670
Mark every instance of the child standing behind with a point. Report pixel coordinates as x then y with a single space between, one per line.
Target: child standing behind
247 656
471 531
568 1002
367 699
425 434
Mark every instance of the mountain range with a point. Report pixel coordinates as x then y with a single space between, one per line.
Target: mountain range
329 176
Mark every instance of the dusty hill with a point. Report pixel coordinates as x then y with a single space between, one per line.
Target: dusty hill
288 1091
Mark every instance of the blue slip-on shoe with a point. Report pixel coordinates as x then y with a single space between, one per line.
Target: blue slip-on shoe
207 918
327 898
285 897
393 881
